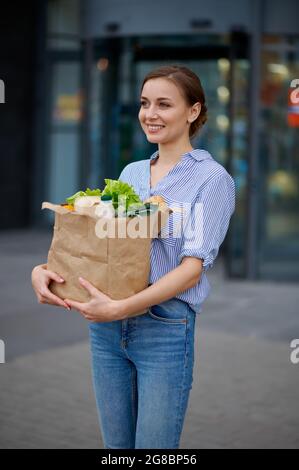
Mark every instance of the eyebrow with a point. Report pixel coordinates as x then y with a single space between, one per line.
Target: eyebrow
161 98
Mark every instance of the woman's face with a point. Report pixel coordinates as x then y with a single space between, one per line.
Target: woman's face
164 113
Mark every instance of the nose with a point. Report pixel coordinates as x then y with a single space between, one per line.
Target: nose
151 112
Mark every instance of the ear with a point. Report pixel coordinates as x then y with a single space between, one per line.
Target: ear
194 112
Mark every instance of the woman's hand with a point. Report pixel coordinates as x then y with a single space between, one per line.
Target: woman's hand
100 308
41 278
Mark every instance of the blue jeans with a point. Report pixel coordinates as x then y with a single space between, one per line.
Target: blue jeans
142 372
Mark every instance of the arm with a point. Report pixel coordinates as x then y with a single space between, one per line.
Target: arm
185 276
197 254
217 212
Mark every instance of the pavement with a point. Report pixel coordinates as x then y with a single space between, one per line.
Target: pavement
245 387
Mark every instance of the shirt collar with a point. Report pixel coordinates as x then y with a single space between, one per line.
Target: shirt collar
197 154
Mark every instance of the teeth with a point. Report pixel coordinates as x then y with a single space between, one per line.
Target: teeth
153 128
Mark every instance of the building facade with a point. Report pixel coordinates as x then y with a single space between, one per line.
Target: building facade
92 56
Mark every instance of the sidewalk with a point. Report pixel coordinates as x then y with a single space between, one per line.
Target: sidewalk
245 389
244 395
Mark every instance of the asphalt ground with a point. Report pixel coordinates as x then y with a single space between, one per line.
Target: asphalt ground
245 387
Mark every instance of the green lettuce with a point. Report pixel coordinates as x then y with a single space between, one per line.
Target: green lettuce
116 188
88 192
93 192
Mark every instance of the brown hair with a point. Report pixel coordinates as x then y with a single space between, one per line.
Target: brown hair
190 86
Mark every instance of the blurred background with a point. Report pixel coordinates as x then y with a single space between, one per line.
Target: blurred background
71 72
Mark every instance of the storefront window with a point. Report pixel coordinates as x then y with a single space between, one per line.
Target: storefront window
64 131
99 68
64 101
279 160
238 165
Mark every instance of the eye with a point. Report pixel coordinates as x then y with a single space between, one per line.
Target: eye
164 104
142 102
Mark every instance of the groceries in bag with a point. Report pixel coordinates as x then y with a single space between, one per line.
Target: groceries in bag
118 266
105 208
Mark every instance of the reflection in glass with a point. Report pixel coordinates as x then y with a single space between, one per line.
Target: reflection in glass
279 161
64 137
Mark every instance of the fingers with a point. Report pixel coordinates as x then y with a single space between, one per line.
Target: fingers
52 276
48 297
41 278
55 276
80 306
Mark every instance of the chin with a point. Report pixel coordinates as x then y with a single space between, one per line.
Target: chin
153 139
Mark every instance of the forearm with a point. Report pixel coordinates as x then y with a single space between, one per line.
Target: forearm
173 283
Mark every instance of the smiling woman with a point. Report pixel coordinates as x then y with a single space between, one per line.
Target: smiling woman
142 363
172 103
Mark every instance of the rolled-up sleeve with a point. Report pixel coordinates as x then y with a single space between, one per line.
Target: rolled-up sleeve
206 226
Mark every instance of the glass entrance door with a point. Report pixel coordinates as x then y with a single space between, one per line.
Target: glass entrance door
116 137
279 159
64 129
223 68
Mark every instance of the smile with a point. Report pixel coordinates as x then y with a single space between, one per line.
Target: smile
154 128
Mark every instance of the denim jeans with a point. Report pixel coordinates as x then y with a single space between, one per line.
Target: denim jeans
142 373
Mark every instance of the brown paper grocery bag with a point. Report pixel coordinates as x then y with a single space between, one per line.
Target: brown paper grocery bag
101 251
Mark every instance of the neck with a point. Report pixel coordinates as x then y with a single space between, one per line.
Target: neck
171 153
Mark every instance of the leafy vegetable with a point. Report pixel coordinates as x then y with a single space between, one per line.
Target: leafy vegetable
93 192
71 199
117 188
87 192
120 192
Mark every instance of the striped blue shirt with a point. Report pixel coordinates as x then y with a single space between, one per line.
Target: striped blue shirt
205 194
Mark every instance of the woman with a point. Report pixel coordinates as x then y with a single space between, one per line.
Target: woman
142 364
